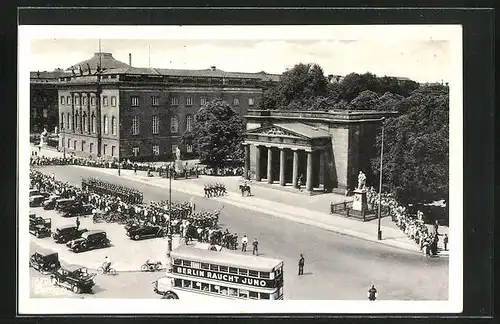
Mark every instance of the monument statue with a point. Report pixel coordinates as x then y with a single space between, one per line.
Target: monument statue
43 137
56 130
178 153
361 180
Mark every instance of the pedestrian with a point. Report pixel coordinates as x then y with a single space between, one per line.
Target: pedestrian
301 265
135 168
445 242
77 222
372 293
299 182
436 226
255 244
244 242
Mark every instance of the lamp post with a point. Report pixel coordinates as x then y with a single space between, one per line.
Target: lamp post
379 232
169 223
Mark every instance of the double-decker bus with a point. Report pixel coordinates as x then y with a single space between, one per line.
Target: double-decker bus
198 273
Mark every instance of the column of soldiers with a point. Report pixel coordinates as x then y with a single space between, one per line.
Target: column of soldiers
128 195
215 190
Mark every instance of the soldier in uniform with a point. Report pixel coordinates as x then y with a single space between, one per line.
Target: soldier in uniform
301 265
372 293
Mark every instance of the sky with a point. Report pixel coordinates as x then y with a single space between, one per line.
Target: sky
422 60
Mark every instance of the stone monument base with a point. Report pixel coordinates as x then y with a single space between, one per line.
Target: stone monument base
179 167
360 202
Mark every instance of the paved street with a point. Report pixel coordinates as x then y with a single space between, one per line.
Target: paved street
337 266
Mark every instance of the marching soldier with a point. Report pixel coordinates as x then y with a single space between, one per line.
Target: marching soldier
372 293
244 242
255 250
301 265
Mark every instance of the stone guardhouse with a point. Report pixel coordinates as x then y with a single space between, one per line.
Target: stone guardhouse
324 149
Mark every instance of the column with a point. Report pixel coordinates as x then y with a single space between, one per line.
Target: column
72 112
88 114
247 162
258 176
309 179
269 164
295 168
81 112
282 166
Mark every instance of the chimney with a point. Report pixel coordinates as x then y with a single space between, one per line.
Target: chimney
213 67
130 59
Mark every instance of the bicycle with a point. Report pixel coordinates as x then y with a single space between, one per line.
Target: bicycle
110 271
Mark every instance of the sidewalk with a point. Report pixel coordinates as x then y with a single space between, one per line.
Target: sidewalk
309 210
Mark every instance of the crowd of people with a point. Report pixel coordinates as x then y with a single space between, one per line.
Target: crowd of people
412 225
215 190
127 195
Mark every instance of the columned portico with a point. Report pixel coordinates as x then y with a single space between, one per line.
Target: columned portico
309 176
269 164
247 162
282 166
258 175
295 175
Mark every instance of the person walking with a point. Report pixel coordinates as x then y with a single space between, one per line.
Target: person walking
372 293
445 242
301 265
436 226
77 222
135 168
255 244
299 182
244 242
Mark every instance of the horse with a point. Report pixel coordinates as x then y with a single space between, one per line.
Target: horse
245 188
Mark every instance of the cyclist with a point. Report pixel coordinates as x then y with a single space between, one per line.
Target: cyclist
106 264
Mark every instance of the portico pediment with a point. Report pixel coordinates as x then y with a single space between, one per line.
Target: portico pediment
276 131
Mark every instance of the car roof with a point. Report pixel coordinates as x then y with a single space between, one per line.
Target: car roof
65 199
37 196
65 226
91 232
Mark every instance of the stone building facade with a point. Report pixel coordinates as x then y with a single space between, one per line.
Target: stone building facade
322 151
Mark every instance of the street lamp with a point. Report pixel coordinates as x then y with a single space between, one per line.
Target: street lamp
379 232
169 223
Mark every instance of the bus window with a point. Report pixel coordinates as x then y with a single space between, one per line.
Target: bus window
264 296
214 267
186 263
177 282
196 285
253 273
223 269
205 286
195 265
254 295
243 272
223 290
177 261
215 289
233 270
233 292
205 266
186 284
243 294
264 275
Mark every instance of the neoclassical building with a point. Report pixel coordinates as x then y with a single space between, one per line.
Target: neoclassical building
121 111
326 150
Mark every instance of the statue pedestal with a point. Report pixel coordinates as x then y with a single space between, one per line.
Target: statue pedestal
179 167
360 202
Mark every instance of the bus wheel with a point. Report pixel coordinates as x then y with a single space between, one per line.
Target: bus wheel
170 295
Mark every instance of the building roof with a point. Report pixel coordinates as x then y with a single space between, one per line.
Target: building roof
304 130
106 60
48 74
227 258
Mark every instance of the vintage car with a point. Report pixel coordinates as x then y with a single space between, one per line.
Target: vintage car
34 192
64 203
77 279
45 263
146 231
90 240
37 200
67 233
50 203
77 210
40 227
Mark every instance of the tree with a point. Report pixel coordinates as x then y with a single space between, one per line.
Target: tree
355 83
416 148
217 134
389 102
269 100
335 91
366 100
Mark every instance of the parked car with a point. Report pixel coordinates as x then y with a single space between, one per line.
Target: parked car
34 192
62 203
90 240
77 279
45 263
77 210
67 233
50 203
146 231
40 227
36 201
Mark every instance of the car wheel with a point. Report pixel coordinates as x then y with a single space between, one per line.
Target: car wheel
170 295
144 268
158 266
76 249
112 271
76 289
55 281
136 237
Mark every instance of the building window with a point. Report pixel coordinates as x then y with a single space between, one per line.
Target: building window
91 147
105 101
92 123
135 125
189 101
113 150
74 145
154 100
174 148
113 125
135 151
106 128
76 120
189 123
189 148
104 149
174 101
62 121
250 101
83 146
113 101
62 100
68 100
174 124
156 149
155 125
203 101
92 101
77 100
84 101
135 101
69 143
236 102
84 122
68 124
